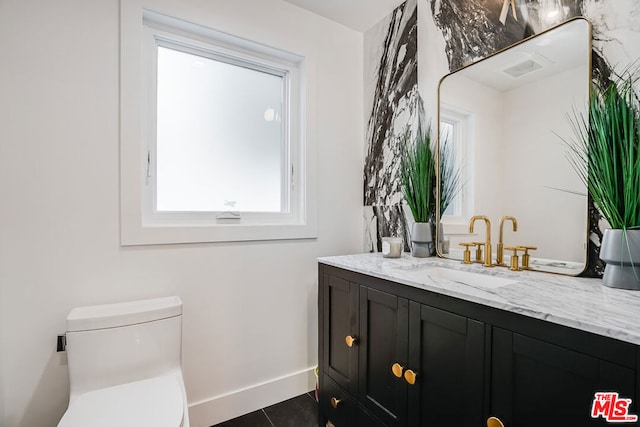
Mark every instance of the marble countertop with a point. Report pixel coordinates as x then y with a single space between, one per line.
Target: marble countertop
575 302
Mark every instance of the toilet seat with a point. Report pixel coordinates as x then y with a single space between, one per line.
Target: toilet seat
156 402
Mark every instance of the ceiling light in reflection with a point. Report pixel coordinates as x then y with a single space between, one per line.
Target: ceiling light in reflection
269 115
554 11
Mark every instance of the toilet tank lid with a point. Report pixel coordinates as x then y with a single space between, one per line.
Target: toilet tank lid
123 314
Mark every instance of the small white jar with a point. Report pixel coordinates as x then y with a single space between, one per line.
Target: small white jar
391 247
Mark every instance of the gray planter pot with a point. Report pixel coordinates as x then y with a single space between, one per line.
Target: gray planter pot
421 240
621 252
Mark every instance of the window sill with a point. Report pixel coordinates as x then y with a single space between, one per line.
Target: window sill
456 228
157 235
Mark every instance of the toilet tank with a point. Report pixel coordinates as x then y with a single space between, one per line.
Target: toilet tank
115 344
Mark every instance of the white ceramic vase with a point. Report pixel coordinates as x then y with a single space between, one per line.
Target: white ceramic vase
620 250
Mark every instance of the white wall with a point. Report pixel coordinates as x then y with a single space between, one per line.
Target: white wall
250 317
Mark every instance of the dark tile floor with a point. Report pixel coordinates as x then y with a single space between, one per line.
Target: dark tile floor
301 411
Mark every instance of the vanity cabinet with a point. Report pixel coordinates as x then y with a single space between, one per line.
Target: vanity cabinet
416 365
470 361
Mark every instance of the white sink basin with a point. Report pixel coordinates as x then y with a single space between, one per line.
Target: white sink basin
465 277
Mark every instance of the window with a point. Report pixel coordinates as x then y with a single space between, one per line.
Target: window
220 134
455 137
222 153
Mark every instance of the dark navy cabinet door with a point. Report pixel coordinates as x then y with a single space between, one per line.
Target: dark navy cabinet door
536 383
340 320
384 336
447 353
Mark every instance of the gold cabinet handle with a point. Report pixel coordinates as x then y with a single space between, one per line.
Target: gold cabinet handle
335 402
397 370
494 422
410 376
350 340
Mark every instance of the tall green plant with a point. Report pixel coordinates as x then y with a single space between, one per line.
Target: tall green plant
417 175
450 174
606 154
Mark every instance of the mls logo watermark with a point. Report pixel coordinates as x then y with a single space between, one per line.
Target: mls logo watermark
612 408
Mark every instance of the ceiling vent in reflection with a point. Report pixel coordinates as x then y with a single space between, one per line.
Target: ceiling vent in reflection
525 67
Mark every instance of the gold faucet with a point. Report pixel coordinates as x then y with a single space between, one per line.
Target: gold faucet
500 249
487 245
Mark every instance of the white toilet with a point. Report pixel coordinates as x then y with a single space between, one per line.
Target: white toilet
125 365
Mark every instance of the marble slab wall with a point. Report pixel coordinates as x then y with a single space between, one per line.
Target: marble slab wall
471 29
391 83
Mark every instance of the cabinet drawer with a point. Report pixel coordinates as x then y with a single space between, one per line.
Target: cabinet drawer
336 404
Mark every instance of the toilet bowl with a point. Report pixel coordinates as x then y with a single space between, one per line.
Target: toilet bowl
125 365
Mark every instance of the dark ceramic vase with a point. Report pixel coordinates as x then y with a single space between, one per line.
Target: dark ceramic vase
620 250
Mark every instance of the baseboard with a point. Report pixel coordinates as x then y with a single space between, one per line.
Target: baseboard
217 409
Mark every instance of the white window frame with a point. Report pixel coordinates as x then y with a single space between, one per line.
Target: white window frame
155 36
463 124
140 222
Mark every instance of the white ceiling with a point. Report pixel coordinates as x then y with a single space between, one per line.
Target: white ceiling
360 15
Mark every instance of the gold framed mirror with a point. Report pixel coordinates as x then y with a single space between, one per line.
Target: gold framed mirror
502 122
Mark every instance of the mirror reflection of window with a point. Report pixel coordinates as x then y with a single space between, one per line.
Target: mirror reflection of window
455 140
447 139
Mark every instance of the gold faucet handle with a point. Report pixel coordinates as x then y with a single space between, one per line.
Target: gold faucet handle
514 257
467 252
479 246
526 256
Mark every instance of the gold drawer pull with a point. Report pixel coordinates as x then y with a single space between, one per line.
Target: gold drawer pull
397 370
335 402
350 340
494 422
410 376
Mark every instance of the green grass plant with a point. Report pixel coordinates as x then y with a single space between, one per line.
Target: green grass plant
417 174
606 151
